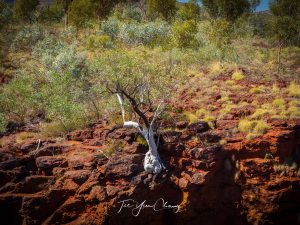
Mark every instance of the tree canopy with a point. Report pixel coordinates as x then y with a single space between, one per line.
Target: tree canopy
286 24
228 9
164 8
23 9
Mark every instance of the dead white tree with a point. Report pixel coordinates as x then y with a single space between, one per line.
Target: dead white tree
141 85
152 161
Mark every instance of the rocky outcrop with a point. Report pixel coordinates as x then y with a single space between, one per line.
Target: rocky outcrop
81 181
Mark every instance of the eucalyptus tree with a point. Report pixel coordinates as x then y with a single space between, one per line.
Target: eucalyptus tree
23 9
141 84
65 4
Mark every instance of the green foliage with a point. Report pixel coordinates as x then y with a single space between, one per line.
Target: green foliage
237 75
285 26
220 33
164 8
103 7
51 13
27 37
98 41
228 9
202 37
80 11
132 70
24 9
246 126
132 13
258 90
294 90
185 33
18 100
189 11
46 49
279 102
59 57
243 28
3 122
253 128
5 14
259 23
110 27
141 140
152 33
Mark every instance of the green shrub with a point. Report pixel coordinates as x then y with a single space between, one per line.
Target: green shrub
18 100
258 90
237 76
253 128
80 11
294 111
51 13
98 41
70 61
47 49
185 33
261 127
132 13
294 90
152 33
141 140
279 102
220 33
110 27
260 113
246 126
24 9
243 28
202 36
191 117
26 38
5 14
189 11
3 123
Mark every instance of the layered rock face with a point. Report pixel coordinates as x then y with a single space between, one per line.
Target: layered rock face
79 181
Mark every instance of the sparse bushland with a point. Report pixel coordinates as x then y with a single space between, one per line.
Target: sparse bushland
57 82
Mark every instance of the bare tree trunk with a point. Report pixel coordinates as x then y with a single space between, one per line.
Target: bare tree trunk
152 161
279 58
66 19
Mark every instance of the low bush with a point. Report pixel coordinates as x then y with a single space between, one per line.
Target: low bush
3 122
294 90
237 76
18 101
98 41
132 13
27 37
110 27
279 102
253 128
185 33
258 90
246 126
151 34
294 111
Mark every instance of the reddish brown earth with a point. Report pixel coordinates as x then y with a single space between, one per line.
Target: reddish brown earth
72 182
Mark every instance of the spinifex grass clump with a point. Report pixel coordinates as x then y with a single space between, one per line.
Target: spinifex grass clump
253 128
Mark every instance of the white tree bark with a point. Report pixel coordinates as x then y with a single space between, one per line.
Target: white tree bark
152 161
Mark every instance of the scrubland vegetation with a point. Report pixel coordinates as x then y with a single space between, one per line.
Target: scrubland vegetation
57 61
